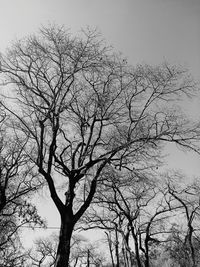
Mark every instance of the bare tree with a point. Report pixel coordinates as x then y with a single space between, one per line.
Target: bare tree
16 178
82 253
12 254
141 210
175 249
44 251
17 183
188 197
84 108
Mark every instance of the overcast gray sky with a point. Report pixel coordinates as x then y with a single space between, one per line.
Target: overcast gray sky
149 31
144 30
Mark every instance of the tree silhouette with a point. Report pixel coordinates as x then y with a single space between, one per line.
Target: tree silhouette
85 109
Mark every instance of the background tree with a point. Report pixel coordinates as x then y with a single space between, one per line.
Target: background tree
17 184
83 109
83 253
43 253
139 209
13 255
188 198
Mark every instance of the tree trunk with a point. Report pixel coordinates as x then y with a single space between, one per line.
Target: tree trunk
88 258
137 254
110 248
116 247
147 252
191 245
63 251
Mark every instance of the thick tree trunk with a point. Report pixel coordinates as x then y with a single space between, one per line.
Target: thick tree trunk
63 251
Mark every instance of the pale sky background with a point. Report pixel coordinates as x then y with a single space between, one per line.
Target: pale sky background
145 31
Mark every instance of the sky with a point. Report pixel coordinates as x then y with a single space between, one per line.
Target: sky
145 31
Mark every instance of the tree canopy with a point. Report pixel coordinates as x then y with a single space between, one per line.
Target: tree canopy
85 112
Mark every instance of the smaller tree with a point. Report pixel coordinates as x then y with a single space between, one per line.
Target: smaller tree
12 254
135 211
44 251
188 197
17 183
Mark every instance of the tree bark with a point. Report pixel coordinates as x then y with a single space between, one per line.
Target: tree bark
63 251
